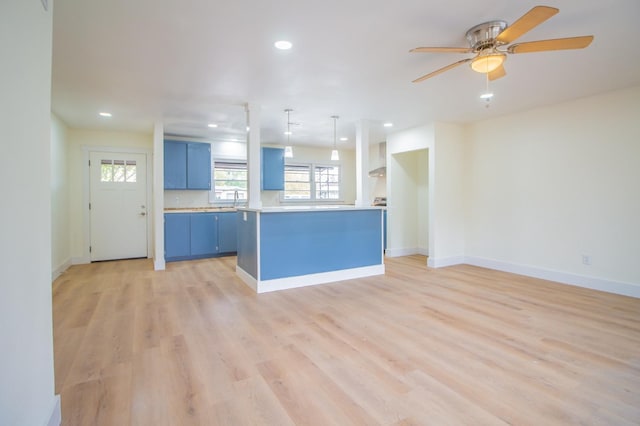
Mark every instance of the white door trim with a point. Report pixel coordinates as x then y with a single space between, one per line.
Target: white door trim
86 227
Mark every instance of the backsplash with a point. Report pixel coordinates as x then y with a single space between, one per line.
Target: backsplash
190 199
173 199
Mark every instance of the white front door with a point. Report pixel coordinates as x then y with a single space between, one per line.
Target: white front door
118 205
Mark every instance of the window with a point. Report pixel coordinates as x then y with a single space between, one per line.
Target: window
118 171
297 182
327 179
229 181
311 182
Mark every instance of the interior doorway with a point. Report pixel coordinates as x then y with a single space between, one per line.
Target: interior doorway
409 181
118 205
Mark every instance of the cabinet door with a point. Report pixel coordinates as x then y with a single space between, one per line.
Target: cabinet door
273 169
228 232
177 241
204 234
198 166
175 165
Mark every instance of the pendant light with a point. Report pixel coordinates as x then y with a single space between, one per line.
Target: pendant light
288 150
335 156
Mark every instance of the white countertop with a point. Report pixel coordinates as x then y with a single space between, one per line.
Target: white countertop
199 209
307 208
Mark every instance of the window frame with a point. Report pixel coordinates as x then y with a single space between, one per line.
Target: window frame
212 191
313 187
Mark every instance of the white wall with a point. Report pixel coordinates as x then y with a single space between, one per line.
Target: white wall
402 227
550 185
422 200
402 209
377 185
441 207
447 195
26 359
77 139
59 181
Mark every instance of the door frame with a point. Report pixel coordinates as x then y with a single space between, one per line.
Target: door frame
86 183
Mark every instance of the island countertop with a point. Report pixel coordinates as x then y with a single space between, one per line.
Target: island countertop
310 208
199 209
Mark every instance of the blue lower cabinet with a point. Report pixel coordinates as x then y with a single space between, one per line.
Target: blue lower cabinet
228 232
204 234
177 236
199 235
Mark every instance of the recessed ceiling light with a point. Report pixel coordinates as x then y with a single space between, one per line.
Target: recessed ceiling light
486 96
104 114
288 133
212 125
388 124
283 44
344 139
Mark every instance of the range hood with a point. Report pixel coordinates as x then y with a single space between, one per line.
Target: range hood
379 172
382 159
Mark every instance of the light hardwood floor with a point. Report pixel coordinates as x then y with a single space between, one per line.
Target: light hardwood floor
458 345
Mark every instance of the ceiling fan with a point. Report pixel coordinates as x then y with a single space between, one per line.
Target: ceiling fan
488 42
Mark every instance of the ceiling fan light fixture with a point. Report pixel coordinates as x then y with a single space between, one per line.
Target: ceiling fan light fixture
487 62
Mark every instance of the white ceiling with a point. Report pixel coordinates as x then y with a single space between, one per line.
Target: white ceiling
191 62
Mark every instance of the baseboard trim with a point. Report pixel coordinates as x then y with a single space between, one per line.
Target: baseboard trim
55 419
247 278
399 252
60 269
441 262
81 260
609 286
159 265
308 280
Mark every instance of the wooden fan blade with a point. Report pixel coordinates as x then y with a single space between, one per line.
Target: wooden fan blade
553 44
441 50
526 23
441 70
497 73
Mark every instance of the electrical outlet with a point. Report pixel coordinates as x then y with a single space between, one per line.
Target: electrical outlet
586 259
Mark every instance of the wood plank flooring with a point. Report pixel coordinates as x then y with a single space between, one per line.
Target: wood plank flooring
459 345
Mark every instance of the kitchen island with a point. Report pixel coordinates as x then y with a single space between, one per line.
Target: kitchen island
288 247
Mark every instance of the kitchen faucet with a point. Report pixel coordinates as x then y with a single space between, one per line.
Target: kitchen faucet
235 198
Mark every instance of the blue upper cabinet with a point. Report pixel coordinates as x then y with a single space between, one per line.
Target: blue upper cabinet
187 165
272 169
175 165
198 166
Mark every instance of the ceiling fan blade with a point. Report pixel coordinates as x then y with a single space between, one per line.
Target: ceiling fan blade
441 50
526 23
553 44
441 70
497 73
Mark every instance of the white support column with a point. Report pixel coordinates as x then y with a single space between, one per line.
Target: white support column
254 163
362 163
158 196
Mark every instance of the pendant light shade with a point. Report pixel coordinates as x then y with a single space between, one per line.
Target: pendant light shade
335 156
288 150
